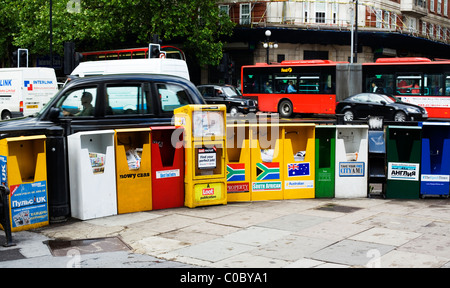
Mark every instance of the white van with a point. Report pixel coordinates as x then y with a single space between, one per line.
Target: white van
24 91
127 66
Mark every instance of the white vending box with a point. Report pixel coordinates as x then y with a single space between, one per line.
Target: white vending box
352 152
92 174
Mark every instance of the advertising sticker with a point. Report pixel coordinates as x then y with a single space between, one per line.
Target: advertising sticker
29 203
206 158
351 169
207 192
403 171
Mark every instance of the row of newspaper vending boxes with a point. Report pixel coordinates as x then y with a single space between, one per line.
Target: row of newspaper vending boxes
129 170
342 161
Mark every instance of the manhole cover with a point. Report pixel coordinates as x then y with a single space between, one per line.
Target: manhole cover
11 254
338 208
87 246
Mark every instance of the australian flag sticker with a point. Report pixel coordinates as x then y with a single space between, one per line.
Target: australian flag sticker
298 169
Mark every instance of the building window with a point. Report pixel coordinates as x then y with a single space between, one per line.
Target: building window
335 12
306 10
411 22
320 12
445 7
393 21
432 5
320 17
245 14
439 5
424 28
224 9
379 18
309 55
386 20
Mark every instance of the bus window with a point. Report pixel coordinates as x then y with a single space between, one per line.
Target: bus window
138 55
125 55
409 85
267 84
308 84
433 84
380 83
447 85
328 84
250 83
112 56
285 83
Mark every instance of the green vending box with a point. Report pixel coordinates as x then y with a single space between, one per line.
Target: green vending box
403 153
325 160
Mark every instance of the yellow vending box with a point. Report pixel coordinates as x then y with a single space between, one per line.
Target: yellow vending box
238 162
205 153
133 170
299 160
24 171
266 158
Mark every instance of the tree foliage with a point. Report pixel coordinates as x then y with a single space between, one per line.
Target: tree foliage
112 24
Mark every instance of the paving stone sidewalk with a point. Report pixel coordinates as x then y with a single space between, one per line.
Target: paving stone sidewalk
303 233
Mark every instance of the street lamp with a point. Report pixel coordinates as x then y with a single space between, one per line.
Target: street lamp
354 35
269 45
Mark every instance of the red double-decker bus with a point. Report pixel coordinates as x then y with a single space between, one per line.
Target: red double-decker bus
314 86
131 53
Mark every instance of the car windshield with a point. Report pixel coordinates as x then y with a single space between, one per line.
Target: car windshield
396 99
386 98
230 92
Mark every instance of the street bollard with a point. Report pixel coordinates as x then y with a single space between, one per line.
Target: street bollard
4 215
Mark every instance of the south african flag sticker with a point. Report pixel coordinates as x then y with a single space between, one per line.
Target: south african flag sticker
267 171
236 172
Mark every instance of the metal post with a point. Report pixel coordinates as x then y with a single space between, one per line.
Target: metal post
6 221
356 32
352 35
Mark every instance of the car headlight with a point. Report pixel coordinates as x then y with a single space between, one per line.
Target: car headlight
242 103
412 110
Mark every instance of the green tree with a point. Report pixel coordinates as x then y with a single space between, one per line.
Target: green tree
8 26
111 24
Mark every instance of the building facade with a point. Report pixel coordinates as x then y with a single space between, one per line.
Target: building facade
325 29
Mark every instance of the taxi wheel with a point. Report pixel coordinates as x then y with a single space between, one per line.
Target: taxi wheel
233 111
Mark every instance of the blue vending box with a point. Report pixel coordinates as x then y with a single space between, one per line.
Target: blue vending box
435 168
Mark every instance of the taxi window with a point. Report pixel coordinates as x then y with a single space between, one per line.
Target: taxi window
79 102
172 96
124 100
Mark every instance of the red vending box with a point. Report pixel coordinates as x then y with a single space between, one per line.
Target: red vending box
167 167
